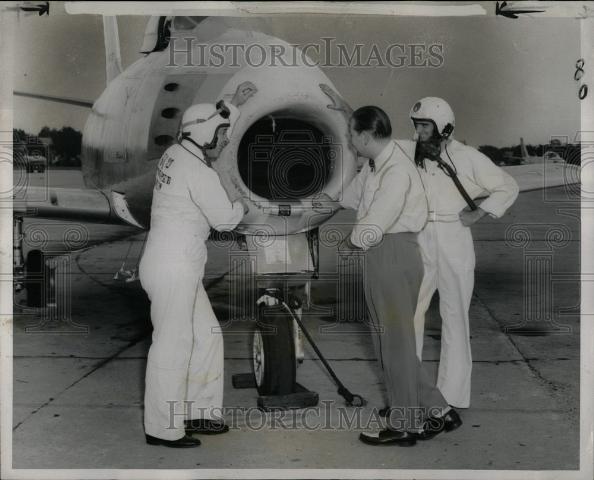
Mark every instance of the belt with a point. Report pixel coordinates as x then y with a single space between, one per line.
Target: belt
443 217
412 235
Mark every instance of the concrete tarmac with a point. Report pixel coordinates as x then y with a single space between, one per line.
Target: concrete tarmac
79 381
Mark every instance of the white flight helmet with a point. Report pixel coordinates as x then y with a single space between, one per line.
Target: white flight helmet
201 122
434 110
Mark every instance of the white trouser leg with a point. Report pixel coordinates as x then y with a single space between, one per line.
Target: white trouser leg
205 375
172 291
428 247
456 261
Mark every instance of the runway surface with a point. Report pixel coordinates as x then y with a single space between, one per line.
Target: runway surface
79 381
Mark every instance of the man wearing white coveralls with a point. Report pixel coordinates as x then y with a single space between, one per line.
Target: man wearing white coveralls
185 361
446 242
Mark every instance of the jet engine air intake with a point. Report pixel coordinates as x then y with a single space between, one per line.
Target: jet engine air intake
286 147
287 156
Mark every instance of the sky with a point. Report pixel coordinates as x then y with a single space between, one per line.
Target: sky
504 78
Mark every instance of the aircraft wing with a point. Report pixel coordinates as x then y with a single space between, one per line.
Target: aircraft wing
93 206
537 176
108 206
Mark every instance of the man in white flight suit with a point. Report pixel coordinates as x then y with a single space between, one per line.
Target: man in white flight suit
446 241
184 375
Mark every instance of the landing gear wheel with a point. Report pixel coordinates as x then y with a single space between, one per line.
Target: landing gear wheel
273 350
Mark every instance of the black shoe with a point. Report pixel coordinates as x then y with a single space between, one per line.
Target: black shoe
207 427
184 442
389 437
435 425
452 420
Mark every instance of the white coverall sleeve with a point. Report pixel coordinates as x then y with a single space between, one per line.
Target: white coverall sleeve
351 195
501 186
210 196
384 210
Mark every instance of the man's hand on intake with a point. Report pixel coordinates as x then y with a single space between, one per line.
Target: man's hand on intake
244 91
337 101
321 202
245 205
470 217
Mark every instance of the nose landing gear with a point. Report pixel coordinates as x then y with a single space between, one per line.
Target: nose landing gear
273 348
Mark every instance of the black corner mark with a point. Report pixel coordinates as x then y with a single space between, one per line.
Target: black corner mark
42 9
511 12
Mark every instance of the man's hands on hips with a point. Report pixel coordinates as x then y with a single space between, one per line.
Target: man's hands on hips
470 217
348 246
244 91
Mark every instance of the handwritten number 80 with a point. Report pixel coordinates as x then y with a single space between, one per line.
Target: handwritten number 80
579 73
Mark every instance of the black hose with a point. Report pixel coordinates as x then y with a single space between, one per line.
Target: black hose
351 399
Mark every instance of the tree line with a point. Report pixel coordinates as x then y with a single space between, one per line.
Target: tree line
510 155
63 151
66 143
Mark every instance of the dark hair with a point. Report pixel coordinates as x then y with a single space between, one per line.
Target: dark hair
372 119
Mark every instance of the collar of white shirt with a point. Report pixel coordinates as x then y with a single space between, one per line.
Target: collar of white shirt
193 149
384 155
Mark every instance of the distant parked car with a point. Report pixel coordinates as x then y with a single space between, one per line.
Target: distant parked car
553 157
35 163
